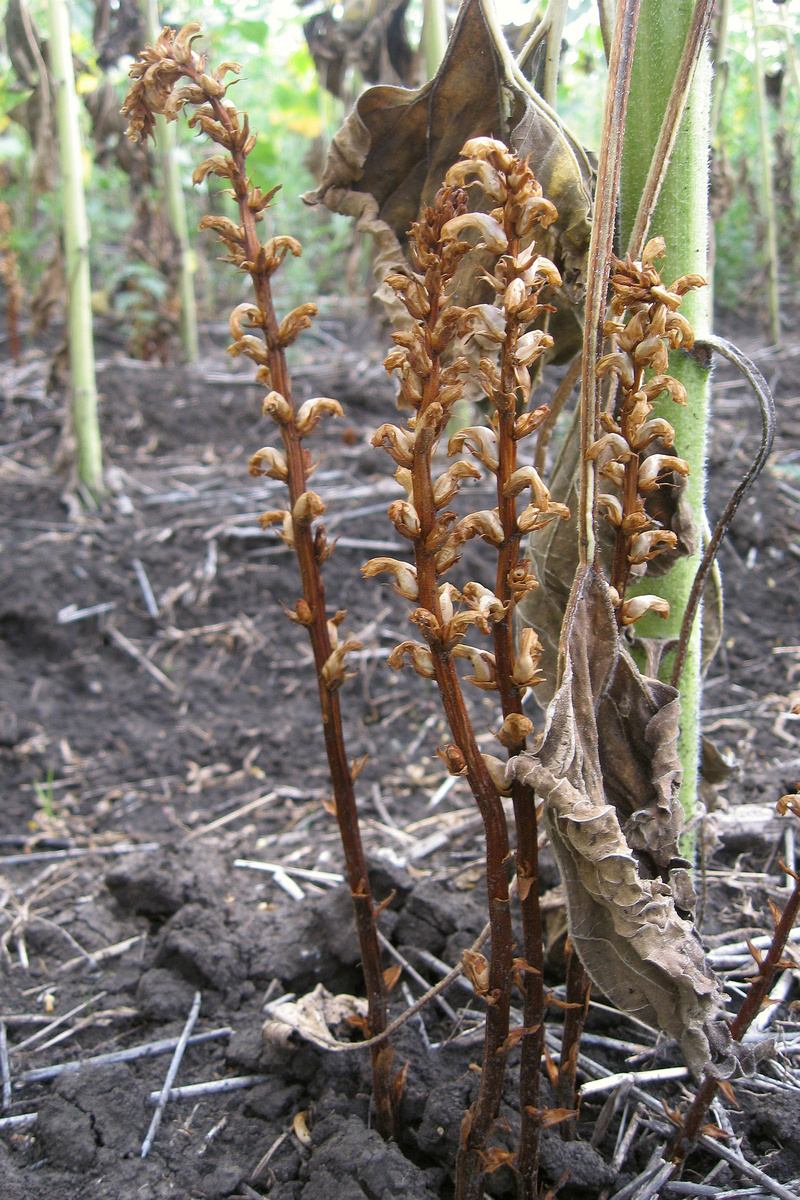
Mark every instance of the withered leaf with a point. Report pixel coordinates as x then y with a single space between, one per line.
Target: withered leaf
391 155
312 1017
376 43
623 922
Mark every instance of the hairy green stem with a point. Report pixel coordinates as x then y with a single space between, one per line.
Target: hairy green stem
681 217
76 253
433 41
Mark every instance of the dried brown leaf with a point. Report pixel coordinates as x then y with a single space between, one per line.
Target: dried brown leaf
390 157
622 921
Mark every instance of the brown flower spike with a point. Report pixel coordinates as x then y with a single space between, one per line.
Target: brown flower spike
630 453
431 382
167 77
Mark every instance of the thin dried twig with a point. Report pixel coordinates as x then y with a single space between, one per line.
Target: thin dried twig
212 1087
183 1042
132 1054
23 1121
756 995
5 1070
127 645
47 1029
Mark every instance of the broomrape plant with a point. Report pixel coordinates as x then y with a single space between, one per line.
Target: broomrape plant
167 77
603 778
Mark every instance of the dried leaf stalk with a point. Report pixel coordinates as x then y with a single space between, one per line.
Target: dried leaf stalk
168 76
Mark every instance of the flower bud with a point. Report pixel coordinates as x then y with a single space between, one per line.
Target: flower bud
333 674
635 608
309 413
397 442
490 230
307 508
483 665
514 730
269 461
532 517
652 467
446 486
420 657
405 576
526 665
242 312
529 422
648 544
483 601
485 524
515 296
651 431
611 447
294 323
404 518
528 477
453 759
480 440
276 516
276 406
476 969
497 773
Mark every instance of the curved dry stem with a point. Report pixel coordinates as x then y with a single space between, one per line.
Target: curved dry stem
767 406
600 249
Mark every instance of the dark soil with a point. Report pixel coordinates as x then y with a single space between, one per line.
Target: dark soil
96 753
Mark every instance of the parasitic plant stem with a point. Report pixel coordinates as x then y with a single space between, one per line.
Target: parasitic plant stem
432 389
260 336
757 994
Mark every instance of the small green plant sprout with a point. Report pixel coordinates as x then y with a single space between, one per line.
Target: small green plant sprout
167 77
45 796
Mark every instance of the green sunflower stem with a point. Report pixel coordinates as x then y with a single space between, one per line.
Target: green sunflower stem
681 217
76 253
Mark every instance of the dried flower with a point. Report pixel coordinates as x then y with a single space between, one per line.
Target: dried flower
405 577
653 326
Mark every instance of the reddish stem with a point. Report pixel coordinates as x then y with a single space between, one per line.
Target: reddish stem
479 1119
314 595
527 852
751 1005
579 988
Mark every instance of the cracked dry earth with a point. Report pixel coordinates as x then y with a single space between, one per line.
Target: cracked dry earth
98 754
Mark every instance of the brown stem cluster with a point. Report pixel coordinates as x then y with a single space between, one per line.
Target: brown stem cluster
168 76
446 615
632 453
757 995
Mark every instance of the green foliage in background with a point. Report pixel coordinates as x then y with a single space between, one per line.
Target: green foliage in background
295 120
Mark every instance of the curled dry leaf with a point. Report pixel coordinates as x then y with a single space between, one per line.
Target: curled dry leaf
390 157
598 777
312 1017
